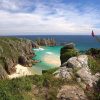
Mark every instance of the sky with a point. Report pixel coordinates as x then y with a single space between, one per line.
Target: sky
35 17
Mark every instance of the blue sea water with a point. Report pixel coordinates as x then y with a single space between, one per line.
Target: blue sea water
83 42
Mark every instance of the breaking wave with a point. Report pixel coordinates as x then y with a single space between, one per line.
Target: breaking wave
39 49
49 53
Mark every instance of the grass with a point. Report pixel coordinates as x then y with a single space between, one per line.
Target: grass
22 88
94 64
10 50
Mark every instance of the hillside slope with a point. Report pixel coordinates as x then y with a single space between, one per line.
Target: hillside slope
14 51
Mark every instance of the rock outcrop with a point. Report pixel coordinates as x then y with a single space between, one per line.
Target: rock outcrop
64 73
15 51
77 67
45 42
73 92
3 73
79 61
67 51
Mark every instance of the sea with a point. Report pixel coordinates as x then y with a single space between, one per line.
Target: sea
82 42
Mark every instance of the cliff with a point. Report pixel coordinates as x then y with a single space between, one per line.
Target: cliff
84 69
14 51
72 81
45 42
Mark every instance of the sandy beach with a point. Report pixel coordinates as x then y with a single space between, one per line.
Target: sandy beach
24 71
52 59
21 71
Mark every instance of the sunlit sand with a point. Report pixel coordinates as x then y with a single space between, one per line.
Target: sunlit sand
52 59
21 71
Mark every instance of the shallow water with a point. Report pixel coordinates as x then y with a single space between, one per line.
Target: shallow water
45 52
82 43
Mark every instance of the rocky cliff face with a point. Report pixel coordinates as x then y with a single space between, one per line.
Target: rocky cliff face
45 42
73 92
75 67
14 51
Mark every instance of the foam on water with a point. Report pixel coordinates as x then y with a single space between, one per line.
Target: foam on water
50 53
47 52
39 49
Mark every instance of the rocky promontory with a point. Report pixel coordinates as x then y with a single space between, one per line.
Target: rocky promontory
14 51
45 42
76 78
78 68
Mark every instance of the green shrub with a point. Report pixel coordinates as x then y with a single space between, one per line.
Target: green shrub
67 53
94 52
93 65
15 88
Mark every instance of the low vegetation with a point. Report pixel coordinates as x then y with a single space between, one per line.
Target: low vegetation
67 53
40 87
14 51
94 59
94 65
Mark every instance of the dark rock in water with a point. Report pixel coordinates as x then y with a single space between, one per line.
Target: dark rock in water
67 51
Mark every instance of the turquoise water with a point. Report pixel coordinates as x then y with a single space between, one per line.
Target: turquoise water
83 42
45 51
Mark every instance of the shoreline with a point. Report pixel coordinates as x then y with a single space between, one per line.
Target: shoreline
52 59
22 71
48 58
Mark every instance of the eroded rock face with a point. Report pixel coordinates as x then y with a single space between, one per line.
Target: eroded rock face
46 42
10 66
76 62
15 51
3 73
22 60
69 92
65 73
85 74
79 68
96 77
35 45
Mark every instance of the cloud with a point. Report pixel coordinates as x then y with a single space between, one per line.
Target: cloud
17 5
36 17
